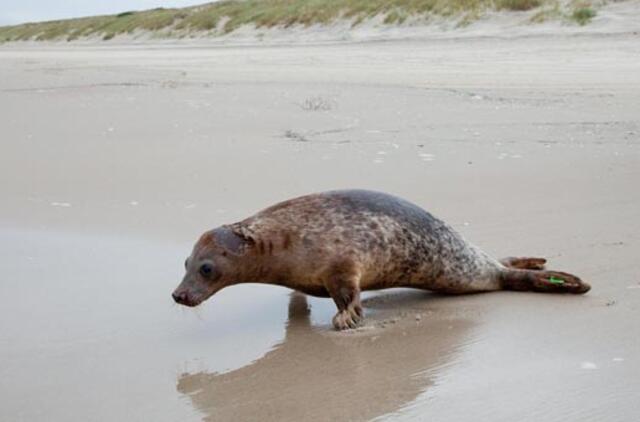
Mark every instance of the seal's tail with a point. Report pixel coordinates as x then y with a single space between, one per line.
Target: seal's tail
542 281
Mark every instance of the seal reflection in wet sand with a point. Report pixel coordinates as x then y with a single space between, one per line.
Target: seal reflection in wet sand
405 361
339 243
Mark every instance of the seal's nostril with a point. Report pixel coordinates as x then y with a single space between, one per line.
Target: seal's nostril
178 298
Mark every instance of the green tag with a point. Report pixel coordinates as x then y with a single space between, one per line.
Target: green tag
555 280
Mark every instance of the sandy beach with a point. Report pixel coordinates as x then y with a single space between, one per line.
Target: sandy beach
114 158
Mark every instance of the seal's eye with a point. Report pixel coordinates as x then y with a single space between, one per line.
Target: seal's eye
186 263
206 270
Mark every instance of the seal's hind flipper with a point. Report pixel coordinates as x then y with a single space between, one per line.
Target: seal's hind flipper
524 263
542 281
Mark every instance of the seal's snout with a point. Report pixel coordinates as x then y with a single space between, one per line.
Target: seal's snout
182 298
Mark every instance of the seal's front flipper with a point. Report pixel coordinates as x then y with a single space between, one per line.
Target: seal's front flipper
542 281
524 263
343 285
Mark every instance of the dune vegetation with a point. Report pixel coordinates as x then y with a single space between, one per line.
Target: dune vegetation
226 16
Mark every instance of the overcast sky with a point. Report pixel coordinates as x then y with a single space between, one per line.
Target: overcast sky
19 11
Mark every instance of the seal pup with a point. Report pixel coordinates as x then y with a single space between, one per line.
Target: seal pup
339 243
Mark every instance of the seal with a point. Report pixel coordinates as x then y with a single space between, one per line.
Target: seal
339 243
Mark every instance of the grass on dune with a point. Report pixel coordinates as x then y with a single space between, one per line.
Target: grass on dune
106 26
583 15
227 16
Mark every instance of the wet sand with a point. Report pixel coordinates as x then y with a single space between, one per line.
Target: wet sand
114 160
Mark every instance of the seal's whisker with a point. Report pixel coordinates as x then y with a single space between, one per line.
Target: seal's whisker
198 313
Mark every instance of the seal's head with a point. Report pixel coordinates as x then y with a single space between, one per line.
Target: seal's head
213 264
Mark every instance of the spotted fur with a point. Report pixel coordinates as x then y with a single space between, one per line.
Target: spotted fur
339 243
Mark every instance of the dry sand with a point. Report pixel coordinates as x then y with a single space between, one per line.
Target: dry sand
114 159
